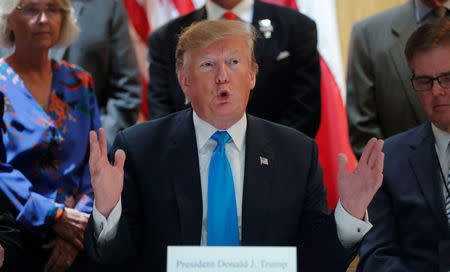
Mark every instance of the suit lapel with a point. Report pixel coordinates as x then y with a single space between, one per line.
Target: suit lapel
428 175
58 53
199 14
258 179
185 175
404 24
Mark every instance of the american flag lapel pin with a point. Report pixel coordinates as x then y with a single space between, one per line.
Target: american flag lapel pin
263 160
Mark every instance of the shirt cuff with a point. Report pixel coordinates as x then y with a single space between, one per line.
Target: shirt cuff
106 229
350 230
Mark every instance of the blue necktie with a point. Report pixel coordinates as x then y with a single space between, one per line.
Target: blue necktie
222 215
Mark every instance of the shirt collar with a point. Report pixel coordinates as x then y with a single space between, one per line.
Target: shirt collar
204 131
442 139
423 11
244 10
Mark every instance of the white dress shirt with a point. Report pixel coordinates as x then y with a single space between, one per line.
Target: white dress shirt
350 229
425 12
243 10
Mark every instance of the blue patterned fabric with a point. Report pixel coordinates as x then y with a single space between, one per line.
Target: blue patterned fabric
48 150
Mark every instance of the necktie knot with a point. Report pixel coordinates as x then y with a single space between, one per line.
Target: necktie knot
229 15
221 137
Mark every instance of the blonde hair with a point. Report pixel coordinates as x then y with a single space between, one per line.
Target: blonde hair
68 32
204 33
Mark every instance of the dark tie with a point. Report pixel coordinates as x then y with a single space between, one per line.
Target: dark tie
222 214
447 197
229 15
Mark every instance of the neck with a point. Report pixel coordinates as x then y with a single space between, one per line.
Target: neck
227 4
30 61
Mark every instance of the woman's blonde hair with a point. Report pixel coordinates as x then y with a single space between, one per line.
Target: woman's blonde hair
68 32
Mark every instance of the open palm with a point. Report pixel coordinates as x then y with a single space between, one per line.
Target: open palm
106 179
356 189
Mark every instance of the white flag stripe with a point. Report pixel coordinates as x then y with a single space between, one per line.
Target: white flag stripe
323 12
161 11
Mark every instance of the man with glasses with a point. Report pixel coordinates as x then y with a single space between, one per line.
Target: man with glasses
380 99
411 211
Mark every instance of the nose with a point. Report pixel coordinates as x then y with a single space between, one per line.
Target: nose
222 73
42 17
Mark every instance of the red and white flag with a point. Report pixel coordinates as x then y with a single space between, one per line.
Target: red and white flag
332 137
145 15
162 11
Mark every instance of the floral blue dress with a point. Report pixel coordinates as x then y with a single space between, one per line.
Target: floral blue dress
47 151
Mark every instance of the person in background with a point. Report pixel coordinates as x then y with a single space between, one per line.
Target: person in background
50 109
288 81
103 48
380 99
411 211
248 181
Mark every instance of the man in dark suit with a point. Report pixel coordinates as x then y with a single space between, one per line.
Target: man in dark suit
279 194
411 212
287 88
380 99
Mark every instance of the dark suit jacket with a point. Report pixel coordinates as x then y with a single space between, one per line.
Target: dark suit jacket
381 101
407 213
284 202
287 91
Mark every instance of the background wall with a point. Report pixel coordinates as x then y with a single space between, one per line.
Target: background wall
351 11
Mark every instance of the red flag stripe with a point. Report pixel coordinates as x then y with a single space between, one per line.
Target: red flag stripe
138 18
183 6
332 137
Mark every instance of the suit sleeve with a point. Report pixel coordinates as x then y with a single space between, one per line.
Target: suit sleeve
380 250
361 101
158 94
122 251
319 227
303 109
124 97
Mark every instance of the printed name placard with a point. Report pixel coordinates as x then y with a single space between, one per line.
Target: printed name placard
235 259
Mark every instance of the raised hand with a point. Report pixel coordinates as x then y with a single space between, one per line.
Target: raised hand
106 179
356 189
71 226
62 257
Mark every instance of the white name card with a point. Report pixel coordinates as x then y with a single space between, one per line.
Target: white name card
231 259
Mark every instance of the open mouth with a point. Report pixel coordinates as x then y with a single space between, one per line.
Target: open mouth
223 94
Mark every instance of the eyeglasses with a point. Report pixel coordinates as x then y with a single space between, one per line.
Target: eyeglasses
32 11
425 83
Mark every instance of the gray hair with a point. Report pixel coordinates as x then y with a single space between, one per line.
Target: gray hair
68 32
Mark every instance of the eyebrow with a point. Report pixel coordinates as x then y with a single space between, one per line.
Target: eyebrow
428 76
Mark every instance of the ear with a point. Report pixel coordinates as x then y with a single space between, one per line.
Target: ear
252 75
184 81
